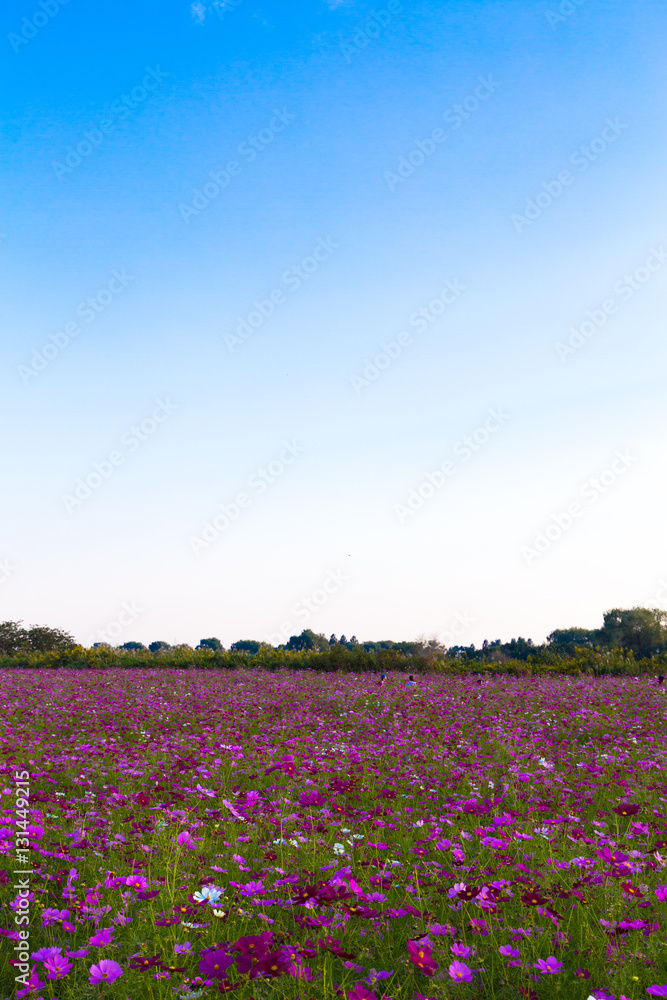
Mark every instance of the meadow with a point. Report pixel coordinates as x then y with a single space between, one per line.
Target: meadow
185 833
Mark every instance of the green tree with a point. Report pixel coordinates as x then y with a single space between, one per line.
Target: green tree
642 630
308 640
214 644
246 646
12 638
37 638
130 646
566 641
158 646
42 639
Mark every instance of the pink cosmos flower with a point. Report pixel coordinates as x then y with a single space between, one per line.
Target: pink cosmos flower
32 985
105 971
184 839
421 956
508 951
57 967
45 953
104 936
552 965
462 950
359 992
137 882
460 972
215 963
657 991
661 893
51 916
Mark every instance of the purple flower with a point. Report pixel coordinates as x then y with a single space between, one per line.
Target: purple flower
603 995
184 839
508 951
462 950
44 953
359 992
81 953
657 991
105 971
32 984
552 965
460 972
51 916
57 966
440 929
215 963
661 893
137 882
105 936
183 949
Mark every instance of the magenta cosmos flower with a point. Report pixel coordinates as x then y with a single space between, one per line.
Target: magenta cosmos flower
422 957
105 971
57 966
184 839
507 951
104 936
657 991
460 972
552 965
359 992
215 962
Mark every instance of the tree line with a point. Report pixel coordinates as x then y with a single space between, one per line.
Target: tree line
639 631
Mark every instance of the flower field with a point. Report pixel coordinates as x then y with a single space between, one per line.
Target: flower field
181 834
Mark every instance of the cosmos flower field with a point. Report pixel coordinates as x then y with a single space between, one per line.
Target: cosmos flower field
289 834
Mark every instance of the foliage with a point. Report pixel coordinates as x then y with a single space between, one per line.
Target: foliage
37 638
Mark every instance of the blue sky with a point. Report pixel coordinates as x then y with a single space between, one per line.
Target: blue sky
195 426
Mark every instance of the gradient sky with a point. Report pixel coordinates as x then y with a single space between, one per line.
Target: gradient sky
317 105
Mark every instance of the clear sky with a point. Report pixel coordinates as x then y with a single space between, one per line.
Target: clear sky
332 316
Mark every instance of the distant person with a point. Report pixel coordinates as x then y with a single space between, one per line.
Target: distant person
479 680
383 678
660 678
410 684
